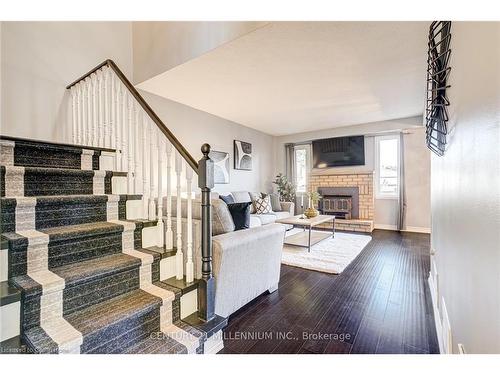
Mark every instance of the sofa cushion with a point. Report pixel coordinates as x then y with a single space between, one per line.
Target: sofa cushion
263 205
265 218
282 214
255 221
240 212
228 199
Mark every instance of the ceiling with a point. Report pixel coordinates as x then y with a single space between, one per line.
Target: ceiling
292 77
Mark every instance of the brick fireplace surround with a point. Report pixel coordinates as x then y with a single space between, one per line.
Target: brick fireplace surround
364 182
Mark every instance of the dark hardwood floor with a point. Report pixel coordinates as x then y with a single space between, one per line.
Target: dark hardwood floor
380 304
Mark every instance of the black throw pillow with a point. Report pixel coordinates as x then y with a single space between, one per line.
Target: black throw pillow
240 213
228 199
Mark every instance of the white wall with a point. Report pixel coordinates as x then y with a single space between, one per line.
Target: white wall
417 167
193 128
160 46
466 191
38 61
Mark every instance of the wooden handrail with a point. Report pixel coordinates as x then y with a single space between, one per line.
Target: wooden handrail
159 123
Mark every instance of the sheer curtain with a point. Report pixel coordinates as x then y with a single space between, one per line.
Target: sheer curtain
402 187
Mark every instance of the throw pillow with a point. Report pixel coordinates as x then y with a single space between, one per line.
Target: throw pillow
241 214
254 196
263 205
228 199
275 202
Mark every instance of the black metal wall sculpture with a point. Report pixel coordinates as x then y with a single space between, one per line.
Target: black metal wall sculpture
438 71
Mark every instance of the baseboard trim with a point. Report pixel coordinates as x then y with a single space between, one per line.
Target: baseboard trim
408 229
418 230
435 308
385 227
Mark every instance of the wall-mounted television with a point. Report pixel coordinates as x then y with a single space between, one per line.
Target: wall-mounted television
339 152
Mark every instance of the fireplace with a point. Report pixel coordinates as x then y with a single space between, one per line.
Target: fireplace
338 205
343 202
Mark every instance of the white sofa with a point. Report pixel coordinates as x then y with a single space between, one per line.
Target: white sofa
247 262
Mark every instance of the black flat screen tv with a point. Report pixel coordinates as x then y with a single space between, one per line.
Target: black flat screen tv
339 152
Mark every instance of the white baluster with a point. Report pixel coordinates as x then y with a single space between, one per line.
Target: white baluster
112 135
131 165
119 120
89 111
169 240
152 206
79 113
107 111
189 244
137 151
124 130
161 160
95 110
145 154
85 103
100 96
74 120
179 256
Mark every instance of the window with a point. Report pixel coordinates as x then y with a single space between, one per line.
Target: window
301 167
387 167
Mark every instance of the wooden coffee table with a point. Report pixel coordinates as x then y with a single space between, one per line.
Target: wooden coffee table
308 238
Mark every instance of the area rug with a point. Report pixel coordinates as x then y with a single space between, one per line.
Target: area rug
331 255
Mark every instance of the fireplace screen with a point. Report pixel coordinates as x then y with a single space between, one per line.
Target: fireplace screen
340 206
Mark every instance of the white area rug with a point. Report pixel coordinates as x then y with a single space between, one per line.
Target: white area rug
331 255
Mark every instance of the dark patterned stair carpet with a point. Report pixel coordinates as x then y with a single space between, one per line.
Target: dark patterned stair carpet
80 273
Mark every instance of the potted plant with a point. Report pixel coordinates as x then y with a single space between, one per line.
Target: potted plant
314 198
286 189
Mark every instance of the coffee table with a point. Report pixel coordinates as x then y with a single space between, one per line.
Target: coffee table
308 238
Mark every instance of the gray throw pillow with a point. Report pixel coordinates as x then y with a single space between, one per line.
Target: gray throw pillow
275 202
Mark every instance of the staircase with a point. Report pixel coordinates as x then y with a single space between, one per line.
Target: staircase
87 235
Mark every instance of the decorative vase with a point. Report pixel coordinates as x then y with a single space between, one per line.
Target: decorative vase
311 212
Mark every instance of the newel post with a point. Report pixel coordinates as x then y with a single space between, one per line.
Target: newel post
206 286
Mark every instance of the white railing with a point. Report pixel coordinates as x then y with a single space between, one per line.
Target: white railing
106 113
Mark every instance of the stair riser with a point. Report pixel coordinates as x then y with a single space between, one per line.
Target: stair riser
48 215
86 294
82 294
41 213
53 213
30 312
125 333
150 323
40 183
64 251
72 251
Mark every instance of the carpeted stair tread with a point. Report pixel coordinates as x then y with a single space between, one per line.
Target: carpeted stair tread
35 153
161 344
122 307
117 322
53 145
96 268
82 230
